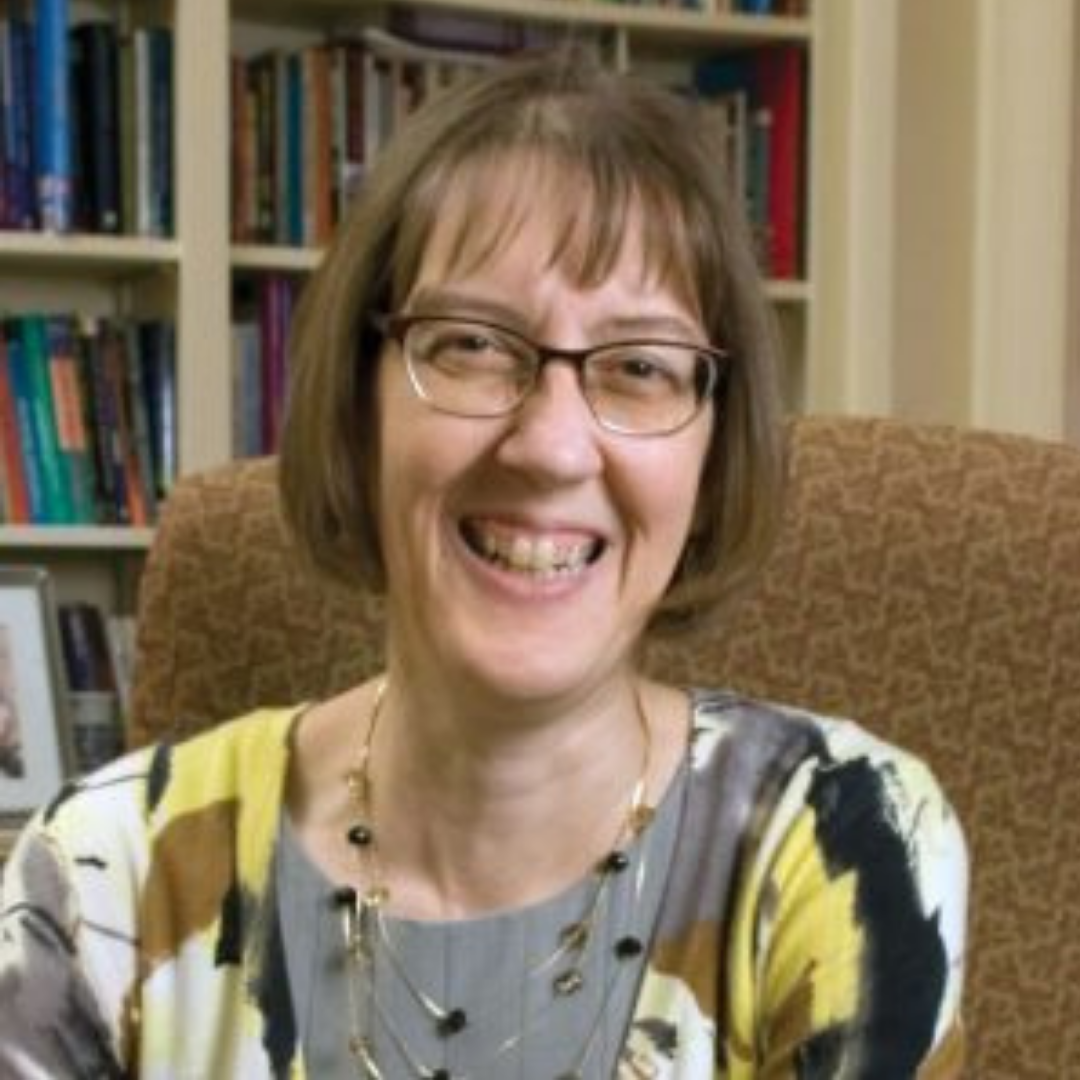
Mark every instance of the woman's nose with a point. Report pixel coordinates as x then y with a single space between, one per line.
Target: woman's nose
553 435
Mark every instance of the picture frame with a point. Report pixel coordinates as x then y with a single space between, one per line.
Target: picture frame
35 747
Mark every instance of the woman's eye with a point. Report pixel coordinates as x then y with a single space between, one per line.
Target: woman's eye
642 367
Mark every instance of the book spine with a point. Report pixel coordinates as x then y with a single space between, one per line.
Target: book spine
108 436
22 391
23 174
780 78
294 119
18 495
69 412
157 357
96 92
131 504
142 458
55 486
126 112
161 112
142 137
85 648
52 119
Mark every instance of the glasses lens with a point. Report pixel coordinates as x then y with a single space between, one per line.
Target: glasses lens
468 368
647 388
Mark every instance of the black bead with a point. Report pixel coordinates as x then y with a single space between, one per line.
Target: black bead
450 1023
345 896
616 862
628 947
438 1074
359 835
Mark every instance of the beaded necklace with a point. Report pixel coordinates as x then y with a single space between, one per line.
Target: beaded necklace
371 946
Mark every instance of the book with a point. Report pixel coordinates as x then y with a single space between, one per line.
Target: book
152 124
773 78
105 425
52 116
30 331
95 85
157 358
22 393
19 150
141 465
247 423
69 419
17 495
85 647
132 505
161 131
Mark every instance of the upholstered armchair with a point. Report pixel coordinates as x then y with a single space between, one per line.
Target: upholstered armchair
927 582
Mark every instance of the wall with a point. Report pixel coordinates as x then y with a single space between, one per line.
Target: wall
984 137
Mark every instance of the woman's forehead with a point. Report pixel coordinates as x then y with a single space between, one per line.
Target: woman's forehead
486 209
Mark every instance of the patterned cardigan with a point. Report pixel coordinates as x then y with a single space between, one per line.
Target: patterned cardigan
812 926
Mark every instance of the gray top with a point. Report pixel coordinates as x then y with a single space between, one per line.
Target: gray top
499 969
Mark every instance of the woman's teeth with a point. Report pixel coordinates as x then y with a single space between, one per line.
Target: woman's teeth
542 556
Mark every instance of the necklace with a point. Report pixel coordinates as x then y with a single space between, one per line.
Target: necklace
373 951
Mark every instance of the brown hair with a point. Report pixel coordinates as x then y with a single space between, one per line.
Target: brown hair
635 147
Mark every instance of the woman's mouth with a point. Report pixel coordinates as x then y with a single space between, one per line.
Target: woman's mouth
538 555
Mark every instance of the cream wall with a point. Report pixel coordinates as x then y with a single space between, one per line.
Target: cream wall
943 208
985 127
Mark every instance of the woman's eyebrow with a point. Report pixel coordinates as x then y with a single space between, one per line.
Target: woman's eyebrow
442 301
447 301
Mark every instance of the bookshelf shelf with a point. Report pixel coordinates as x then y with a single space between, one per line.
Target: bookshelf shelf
733 28
82 253
47 538
274 257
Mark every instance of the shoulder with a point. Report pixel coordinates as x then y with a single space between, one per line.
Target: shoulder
820 777
115 811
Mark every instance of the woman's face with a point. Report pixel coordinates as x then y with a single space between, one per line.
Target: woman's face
473 510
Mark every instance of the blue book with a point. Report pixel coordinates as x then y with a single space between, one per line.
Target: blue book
161 127
53 116
294 106
59 509
21 151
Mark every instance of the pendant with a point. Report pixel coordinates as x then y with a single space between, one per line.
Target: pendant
452 1021
569 982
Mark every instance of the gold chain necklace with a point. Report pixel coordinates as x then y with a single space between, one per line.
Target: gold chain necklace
367 936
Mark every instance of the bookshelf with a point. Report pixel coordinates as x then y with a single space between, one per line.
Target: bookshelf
191 275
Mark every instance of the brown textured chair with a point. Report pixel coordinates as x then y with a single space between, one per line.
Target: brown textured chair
927 582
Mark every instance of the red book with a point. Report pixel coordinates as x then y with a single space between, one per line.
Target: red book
780 81
10 448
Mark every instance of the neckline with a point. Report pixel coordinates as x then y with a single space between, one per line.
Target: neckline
667 808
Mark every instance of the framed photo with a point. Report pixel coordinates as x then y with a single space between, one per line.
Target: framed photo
35 753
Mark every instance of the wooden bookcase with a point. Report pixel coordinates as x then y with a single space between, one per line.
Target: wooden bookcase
190 277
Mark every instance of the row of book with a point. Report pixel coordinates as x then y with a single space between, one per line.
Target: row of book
262 311
86 119
87 419
306 121
758 98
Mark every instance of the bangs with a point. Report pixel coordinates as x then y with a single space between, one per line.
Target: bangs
481 204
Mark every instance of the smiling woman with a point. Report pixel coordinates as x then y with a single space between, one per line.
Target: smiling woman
534 407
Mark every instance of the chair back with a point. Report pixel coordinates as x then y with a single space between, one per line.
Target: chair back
926 583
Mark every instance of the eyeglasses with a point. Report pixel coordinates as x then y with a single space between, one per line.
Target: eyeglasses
472 368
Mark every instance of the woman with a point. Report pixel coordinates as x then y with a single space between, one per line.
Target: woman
534 405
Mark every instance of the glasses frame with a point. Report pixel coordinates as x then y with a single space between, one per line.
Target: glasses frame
395 327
